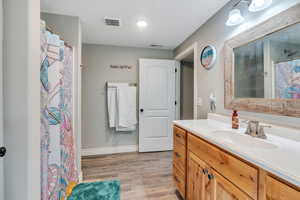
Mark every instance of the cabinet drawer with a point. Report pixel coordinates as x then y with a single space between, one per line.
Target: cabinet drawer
179 135
238 172
179 180
179 156
276 190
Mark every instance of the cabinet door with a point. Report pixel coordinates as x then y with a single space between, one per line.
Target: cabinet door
235 170
198 185
276 190
225 190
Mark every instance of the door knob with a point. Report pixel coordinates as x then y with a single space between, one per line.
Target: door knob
2 151
142 110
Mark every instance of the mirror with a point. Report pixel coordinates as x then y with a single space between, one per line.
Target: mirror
262 67
269 67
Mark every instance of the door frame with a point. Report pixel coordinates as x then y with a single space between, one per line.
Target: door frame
191 49
1 102
22 109
177 89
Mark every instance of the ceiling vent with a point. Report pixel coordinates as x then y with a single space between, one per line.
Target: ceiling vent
112 22
156 45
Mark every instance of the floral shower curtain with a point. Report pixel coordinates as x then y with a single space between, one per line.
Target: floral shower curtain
58 158
287 79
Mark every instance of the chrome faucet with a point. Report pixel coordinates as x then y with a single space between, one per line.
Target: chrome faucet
254 129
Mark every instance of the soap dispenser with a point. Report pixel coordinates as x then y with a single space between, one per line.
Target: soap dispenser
235 120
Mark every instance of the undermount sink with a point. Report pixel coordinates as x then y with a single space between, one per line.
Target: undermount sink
234 138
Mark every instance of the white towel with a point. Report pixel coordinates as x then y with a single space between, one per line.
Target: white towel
112 102
126 108
111 106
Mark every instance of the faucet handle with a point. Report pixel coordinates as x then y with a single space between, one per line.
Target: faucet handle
261 131
245 121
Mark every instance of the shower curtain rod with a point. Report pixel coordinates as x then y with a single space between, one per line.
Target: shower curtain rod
287 60
109 84
51 31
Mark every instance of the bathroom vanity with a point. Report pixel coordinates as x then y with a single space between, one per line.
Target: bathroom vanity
262 75
213 162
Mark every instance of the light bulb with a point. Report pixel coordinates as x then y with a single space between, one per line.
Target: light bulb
258 5
235 18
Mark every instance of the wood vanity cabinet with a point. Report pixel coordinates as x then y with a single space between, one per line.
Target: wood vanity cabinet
276 190
204 183
179 159
203 171
238 172
198 184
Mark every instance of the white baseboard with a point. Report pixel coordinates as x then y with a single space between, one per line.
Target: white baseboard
80 176
109 150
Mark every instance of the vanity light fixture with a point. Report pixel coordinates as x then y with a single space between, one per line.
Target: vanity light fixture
258 5
235 18
142 24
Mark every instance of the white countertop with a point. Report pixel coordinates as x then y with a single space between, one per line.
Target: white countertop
277 154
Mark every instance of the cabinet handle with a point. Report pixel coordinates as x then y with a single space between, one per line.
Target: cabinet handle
177 155
176 179
210 176
177 135
204 171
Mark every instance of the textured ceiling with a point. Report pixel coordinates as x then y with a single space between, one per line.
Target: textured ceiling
170 22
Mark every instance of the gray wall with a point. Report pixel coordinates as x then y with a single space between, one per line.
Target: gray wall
69 28
215 32
97 60
187 91
22 99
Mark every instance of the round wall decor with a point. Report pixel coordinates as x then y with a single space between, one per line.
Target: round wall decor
208 57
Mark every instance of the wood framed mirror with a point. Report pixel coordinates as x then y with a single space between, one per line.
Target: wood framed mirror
262 67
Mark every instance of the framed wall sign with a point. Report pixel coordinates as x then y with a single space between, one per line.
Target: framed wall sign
129 67
208 57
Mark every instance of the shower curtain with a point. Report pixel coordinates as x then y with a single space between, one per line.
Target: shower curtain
58 158
287 79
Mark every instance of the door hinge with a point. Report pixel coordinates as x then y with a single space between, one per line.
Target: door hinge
175 103
175 70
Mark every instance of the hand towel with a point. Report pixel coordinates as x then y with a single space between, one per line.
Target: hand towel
111 106
112 102
126 108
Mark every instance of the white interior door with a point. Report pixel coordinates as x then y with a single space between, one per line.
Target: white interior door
156 104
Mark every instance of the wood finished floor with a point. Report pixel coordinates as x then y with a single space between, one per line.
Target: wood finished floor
143 176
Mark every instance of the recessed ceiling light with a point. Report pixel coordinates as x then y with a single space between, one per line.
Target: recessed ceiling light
142 24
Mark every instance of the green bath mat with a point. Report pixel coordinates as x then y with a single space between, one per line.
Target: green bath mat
106 190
